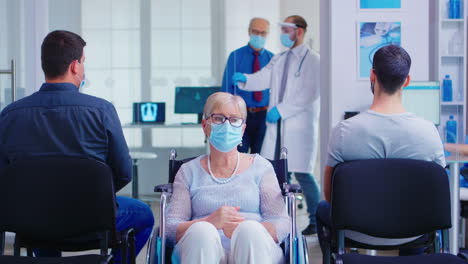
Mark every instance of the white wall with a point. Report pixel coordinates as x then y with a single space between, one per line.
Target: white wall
36 28
347 92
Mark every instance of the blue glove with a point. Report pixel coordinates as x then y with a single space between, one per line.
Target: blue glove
238 77
273 115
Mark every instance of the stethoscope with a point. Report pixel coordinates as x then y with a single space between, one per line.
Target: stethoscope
299 69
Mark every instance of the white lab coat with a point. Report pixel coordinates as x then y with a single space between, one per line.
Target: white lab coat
299 109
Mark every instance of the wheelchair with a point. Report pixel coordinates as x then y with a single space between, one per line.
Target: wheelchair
294 246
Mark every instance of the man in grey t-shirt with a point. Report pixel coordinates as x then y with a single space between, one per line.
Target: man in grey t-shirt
386 130
374 135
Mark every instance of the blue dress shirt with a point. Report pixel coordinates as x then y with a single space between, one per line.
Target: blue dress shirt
241 60
58 120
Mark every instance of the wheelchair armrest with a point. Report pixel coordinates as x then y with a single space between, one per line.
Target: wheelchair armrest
163 188
292 188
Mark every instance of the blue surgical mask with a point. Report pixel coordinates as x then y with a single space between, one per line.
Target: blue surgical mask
82 83
256 41
224 137
286 41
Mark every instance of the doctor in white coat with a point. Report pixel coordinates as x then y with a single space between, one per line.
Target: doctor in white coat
293 77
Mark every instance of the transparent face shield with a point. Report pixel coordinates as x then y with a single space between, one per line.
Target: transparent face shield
288 34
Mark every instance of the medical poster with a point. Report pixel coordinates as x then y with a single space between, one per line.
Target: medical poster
379 4
373 36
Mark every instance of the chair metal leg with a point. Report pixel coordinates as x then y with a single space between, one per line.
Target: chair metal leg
105 244
445 241
150 252
124 247
162 226
305 248
16 247
110 259
326 258
341 242
2 243
16 251
131 248
291 201
338 259
29 252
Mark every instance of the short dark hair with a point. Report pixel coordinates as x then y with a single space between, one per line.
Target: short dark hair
299 21
58 50
391 65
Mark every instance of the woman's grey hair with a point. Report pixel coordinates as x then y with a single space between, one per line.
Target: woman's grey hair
219 99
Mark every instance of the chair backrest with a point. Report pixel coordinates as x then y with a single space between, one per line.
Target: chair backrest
281 170
174 166
280 166
56 198
390 198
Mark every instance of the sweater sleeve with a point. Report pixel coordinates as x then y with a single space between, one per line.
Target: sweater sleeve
180 207
272 205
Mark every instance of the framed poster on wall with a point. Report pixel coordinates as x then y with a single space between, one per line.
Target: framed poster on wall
379 4
371 37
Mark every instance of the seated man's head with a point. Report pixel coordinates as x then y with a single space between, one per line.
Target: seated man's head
62 57
390 69
223 122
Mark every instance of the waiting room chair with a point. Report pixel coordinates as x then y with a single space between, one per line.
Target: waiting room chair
159 252
464 209
441 258
389 198
61 203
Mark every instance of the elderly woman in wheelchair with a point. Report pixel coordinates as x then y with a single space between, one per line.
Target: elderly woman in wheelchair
226 206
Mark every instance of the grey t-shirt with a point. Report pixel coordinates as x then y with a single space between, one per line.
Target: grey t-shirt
372 135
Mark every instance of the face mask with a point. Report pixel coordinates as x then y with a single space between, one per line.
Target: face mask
256 41
225 137
82 82
286 41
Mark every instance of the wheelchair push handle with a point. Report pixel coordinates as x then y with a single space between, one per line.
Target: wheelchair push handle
284 153
173 154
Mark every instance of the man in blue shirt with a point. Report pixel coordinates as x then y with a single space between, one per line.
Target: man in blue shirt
249 59
58 120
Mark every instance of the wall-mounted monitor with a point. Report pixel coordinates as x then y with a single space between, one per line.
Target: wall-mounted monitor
191 100
149 112
423 100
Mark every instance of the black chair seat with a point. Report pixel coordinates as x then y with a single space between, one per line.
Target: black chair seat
84 259
79 243
354 258
423 240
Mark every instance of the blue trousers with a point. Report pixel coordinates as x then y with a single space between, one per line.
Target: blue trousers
311 192
254 132
131 213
